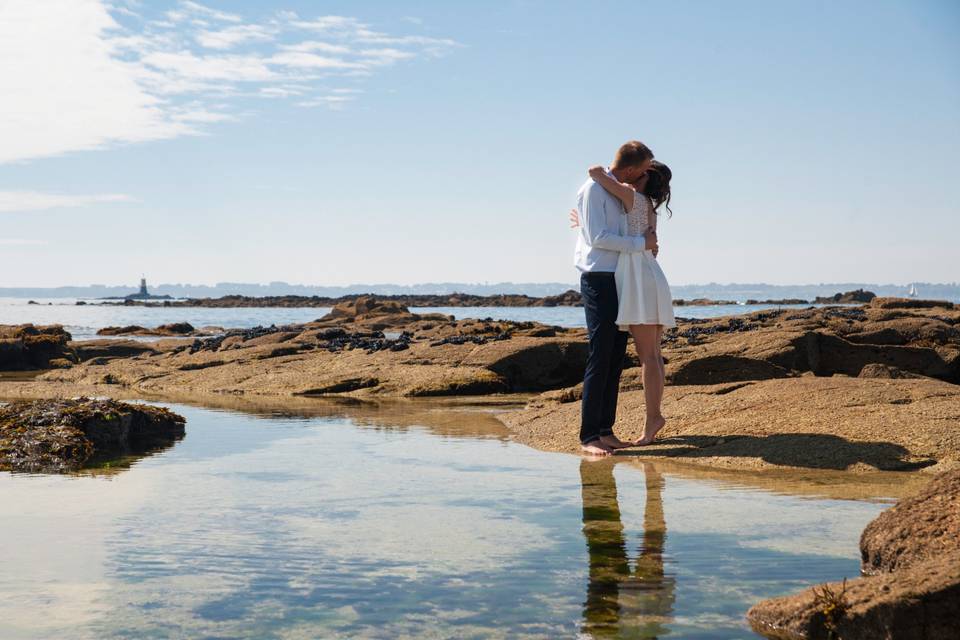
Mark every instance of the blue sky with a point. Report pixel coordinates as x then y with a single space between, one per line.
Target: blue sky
343 142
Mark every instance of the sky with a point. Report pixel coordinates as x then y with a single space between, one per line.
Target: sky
403 141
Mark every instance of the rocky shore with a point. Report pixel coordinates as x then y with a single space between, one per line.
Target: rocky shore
570 298
911 585
54 436
844 388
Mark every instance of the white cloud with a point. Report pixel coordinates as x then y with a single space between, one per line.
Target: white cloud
63 88
230 37
87 74
21 201
192 11
328 23
301 59
334 102
313 45
185 65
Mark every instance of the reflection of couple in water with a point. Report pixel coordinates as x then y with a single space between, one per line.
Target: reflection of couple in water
623 602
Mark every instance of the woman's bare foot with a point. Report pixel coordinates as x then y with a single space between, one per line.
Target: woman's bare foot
613 442
651 429
596 448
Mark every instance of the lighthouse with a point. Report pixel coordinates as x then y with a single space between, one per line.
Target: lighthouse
143 289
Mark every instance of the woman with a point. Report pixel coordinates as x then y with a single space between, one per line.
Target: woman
645 303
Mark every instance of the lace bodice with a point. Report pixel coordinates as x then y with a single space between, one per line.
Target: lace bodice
638 217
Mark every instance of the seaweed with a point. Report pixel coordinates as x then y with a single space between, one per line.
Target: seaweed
833 606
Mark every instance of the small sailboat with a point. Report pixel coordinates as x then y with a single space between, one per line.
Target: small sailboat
912 293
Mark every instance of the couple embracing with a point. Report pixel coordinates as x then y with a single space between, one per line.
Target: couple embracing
624 290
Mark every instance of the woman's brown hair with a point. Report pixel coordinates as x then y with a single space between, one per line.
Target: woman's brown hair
658 185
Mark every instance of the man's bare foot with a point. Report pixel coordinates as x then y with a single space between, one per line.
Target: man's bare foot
596 448
651 429
613 442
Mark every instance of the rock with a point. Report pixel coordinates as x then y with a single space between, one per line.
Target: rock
921 604
25 347
409 353
569 298
174 329
103 350
701 302
53 436
725 368
917 529
885 371
365 307
846 424
911 556
849 297
911 303
131 329
781 301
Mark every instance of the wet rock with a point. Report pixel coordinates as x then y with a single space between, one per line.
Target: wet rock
470 382
368 342
911 557
471 339
341 386
25 347
53 436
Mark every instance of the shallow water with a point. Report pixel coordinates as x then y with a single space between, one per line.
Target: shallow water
326 521
84 321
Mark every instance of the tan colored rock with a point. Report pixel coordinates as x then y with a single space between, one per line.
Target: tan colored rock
921 604
838 423
917 529
911 555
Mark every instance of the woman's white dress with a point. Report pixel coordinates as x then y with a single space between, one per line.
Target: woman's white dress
642 289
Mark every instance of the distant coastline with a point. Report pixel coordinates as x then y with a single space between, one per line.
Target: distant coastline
739 292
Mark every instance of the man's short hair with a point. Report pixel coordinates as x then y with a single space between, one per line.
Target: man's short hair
631 154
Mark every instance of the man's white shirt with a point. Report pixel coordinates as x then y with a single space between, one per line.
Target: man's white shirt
603 231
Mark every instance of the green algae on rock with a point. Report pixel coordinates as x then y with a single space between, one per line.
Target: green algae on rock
26 347
55 436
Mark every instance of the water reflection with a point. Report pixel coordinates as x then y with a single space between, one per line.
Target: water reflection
621 601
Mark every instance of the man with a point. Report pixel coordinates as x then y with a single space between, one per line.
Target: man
601 240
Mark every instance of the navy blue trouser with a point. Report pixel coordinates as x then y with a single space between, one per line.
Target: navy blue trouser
608 346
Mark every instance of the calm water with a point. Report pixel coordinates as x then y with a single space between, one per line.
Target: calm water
84 321
391 524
